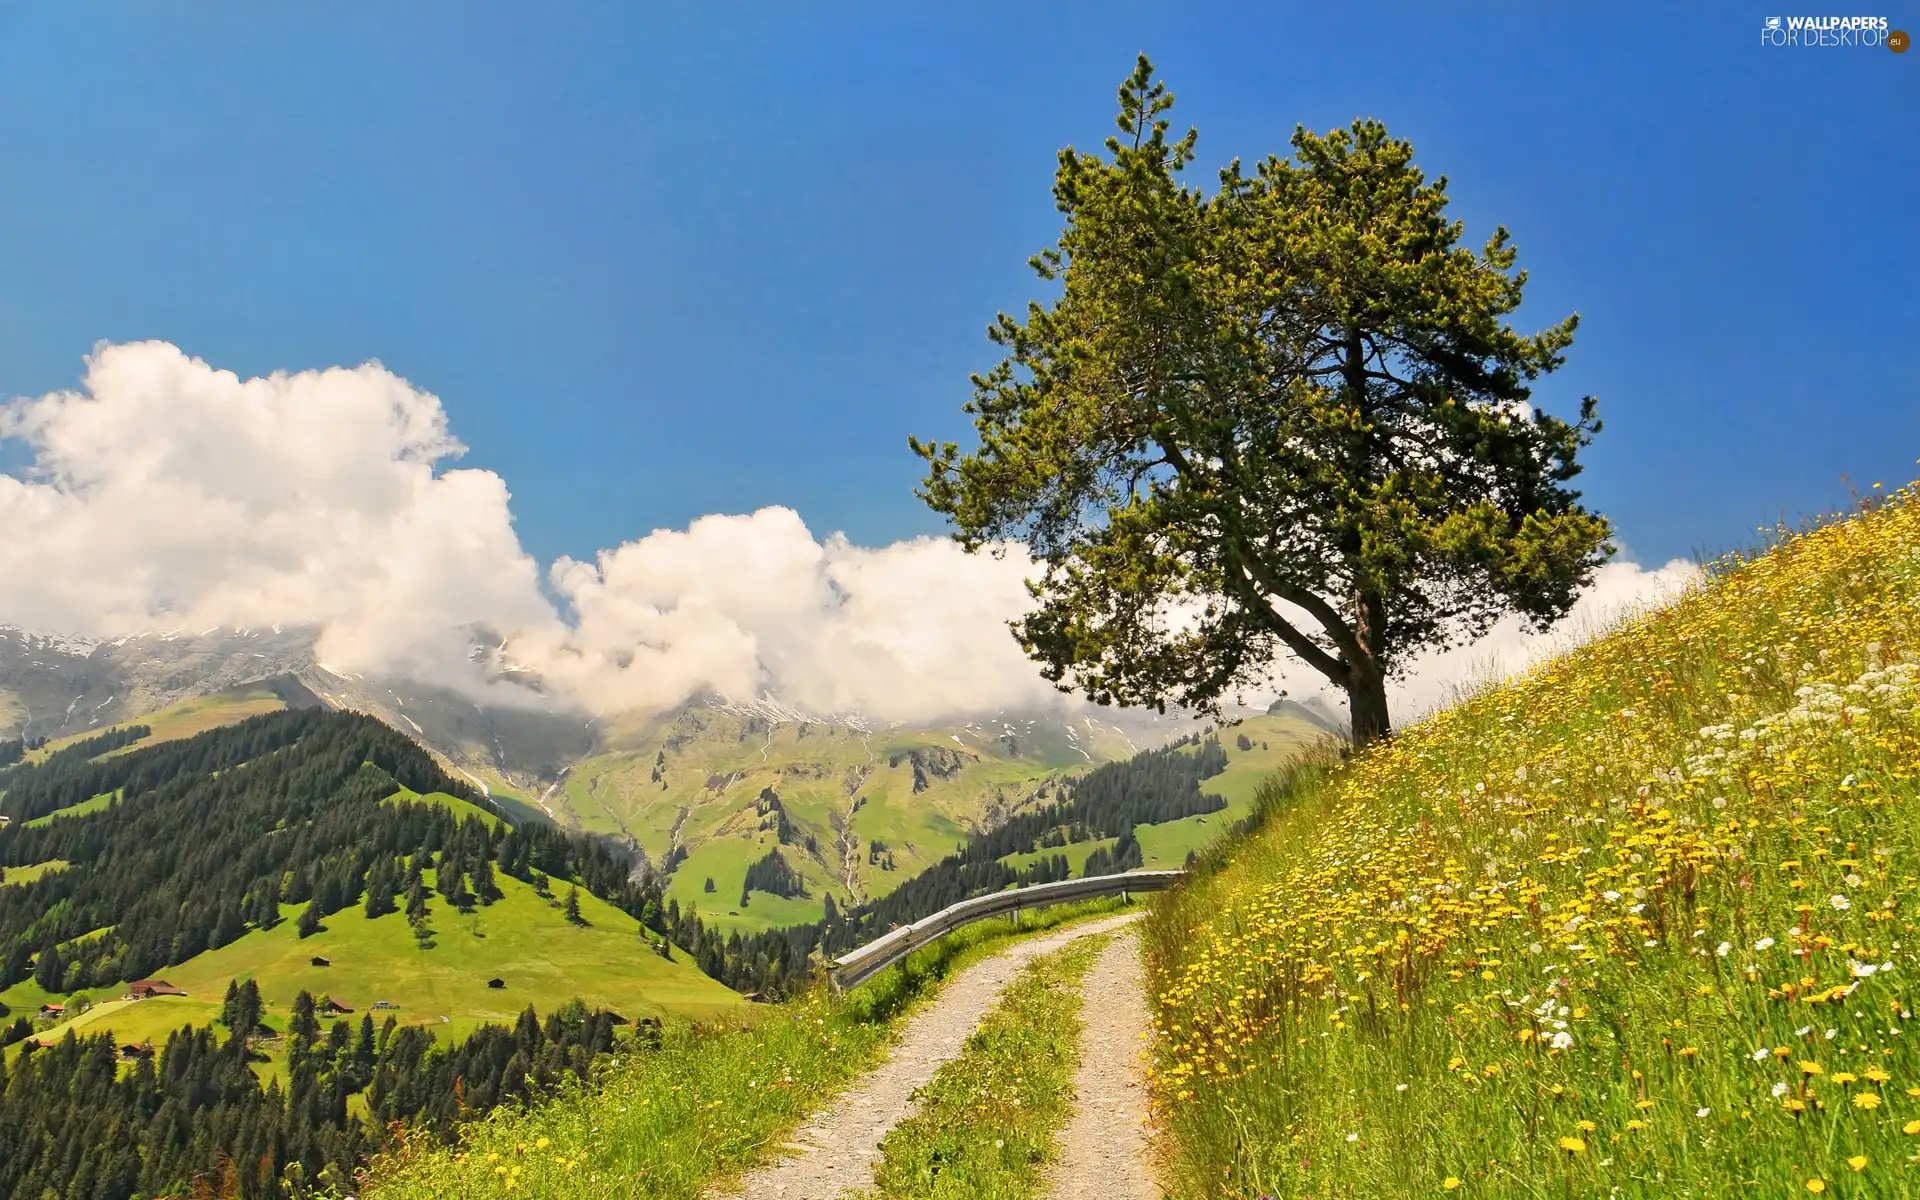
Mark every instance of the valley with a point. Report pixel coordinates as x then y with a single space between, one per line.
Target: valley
703 790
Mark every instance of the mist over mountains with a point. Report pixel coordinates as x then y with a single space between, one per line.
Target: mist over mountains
187 529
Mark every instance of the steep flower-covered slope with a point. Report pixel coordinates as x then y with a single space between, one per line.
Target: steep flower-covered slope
1640 923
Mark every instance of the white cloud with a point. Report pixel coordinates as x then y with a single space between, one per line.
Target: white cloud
755 603
167 494
1435 678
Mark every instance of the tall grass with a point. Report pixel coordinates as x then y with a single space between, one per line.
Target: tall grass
1640 923
703 1106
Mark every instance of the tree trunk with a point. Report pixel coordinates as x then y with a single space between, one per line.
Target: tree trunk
1366 682
1367 698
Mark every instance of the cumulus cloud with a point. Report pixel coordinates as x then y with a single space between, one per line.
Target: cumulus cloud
745 604
168 494
1435 678
165 493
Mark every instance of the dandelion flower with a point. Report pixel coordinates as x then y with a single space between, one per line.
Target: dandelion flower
1816 1186
1451 1182
1867 1101
1573 1145
1858 1162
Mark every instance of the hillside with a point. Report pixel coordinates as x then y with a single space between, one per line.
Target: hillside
298 932
216 847
867 804
1640 923
522 938
711 788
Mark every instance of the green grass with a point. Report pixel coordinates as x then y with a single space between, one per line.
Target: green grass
22 876
461 809
1275 741
521 938
986 1123
716 764
182 720
91 805
1641 923
714 1100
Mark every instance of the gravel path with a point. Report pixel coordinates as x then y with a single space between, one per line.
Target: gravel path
1103 1150
835 1152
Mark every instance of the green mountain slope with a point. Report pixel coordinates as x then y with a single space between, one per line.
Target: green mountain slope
523 939
194 857
864 808
1641 923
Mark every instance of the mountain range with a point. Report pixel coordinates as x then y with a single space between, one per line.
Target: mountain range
702 790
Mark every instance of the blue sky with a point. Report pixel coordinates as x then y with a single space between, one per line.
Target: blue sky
660 264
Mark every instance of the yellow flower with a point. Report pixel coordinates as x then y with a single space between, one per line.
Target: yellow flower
1636 1126
543 1143
1586 1126
1643 1105
1573 1145
1816 1185
1867 1100
1858 1162
1911 1128
1844 1077
1450 1183
1876 1074
1811 1068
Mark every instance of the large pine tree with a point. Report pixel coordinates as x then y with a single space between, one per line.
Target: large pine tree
1288 416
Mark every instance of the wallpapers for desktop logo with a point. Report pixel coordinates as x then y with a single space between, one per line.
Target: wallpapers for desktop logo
1849 32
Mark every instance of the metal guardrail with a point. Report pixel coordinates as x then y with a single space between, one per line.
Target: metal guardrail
856 965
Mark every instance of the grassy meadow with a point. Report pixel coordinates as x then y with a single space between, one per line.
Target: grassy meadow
714 1099
181 720
1632 925
523 938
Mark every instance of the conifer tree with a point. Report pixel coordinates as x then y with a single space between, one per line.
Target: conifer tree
484 886
453 887
1289 416
48 971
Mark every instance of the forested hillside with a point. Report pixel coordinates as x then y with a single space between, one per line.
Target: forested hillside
289 819
208 837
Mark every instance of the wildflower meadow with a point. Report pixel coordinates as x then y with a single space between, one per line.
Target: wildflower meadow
1639 923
